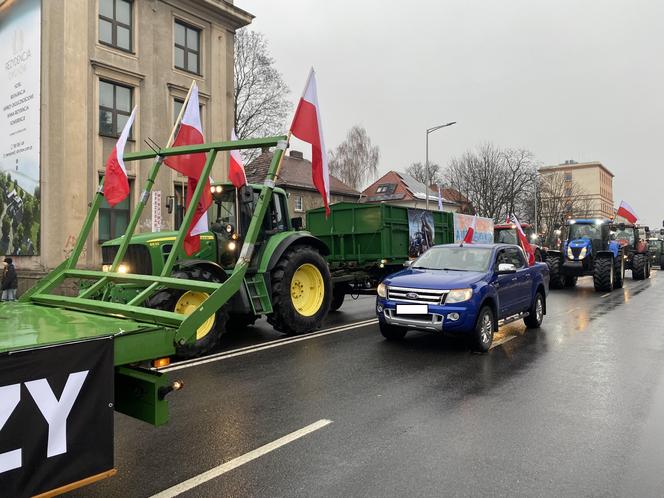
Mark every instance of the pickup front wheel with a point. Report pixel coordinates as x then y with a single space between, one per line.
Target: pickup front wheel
483 334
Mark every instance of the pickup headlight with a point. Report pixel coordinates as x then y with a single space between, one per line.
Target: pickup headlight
381 290
458 296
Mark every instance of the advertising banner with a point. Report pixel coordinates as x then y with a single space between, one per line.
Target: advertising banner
20 78
56 416
483 230
421 231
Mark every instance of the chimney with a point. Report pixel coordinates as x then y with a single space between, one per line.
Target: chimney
296 154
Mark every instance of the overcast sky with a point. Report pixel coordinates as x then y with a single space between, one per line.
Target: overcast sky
566 79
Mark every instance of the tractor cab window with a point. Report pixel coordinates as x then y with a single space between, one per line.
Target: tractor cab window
507 237
624 237
225 212
585 231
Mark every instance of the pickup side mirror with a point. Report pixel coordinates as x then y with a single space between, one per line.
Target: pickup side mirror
407 263
296 223
505 268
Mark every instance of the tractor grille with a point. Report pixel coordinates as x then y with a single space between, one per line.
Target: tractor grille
137 258
576 252
418 296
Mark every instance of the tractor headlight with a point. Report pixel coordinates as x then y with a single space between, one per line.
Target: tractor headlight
570 255
381 290
231 246
458 296
123 268
105 268
584 251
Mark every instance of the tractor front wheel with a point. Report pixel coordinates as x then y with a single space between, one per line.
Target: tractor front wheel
301 291
603 276
639 266
185 302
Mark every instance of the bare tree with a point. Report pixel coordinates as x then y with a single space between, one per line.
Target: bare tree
496 182
355 160
419 172
559 199
260 98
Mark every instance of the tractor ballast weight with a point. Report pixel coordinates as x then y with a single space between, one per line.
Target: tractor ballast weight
587 250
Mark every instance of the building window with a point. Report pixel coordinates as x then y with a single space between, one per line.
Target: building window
113 221
115 102
115 23
386 188
180 203
568 176
299 204
568 192
177 107
187 47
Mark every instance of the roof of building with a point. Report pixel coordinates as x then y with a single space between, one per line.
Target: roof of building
414 189
573 165
295 172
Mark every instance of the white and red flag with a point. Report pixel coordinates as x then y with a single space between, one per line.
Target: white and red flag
440 199
627 212
116 183
191 165
525 243
307 127
468 239
236 173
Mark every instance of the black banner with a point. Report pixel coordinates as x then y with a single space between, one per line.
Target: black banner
56 416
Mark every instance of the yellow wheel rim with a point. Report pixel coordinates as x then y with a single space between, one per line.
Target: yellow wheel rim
190 301
307 290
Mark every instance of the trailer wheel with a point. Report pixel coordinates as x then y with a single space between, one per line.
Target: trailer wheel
185 302
639 269
338 296
603 274
301 291
556 280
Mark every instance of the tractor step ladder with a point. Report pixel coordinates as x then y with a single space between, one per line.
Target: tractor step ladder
258 294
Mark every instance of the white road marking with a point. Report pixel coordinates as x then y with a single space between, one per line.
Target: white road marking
607 294
241 460
572 310
502 341
268 345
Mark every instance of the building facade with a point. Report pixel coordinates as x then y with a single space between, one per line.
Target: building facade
99 59
295 179
402 189
590 182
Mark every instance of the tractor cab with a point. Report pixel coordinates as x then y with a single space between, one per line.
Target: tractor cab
633 239
656 252
505 233
585 238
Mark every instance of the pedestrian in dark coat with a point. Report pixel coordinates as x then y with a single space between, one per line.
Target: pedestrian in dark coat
9 281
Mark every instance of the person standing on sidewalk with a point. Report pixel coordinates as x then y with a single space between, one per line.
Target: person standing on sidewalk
9 281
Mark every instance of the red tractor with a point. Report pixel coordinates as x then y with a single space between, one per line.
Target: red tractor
506 234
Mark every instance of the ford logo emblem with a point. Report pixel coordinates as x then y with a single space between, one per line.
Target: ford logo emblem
412 295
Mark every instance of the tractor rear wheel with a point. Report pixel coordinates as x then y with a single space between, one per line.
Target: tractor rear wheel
557 280
639 262
301 291
185 302
603 274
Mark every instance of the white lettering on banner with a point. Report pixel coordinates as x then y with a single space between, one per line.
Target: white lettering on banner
56 411
9 399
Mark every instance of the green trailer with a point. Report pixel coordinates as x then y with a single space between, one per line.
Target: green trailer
366 242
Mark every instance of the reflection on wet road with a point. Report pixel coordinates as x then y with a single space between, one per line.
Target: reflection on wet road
571 409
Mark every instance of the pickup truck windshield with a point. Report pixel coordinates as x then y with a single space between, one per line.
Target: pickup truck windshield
455 258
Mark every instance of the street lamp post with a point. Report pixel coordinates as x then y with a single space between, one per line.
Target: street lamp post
426 164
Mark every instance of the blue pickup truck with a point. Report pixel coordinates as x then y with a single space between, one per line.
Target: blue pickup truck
463 289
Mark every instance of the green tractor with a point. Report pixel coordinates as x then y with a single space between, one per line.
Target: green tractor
656 252
633 240
288 279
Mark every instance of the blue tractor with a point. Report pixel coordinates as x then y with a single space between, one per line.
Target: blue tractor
588 249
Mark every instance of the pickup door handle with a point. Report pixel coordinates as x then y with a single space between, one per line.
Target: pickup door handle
514 279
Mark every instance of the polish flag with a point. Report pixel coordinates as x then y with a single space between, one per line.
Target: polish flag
307 127
468 239
236 173
116 183
627 212
191 165
525 243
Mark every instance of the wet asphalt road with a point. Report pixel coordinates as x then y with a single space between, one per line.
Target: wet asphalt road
575 408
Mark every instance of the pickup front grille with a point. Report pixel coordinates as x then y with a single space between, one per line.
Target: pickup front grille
416 296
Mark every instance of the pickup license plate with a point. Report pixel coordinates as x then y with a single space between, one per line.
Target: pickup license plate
412 309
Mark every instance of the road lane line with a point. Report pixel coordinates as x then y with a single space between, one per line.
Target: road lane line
605 295
266 345
502 341
241 460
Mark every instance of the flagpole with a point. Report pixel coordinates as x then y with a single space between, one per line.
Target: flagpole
281 159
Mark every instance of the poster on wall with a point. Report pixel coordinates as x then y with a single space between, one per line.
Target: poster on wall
483 233
20 77
421 231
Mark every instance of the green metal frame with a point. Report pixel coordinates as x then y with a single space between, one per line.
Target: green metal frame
177 328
